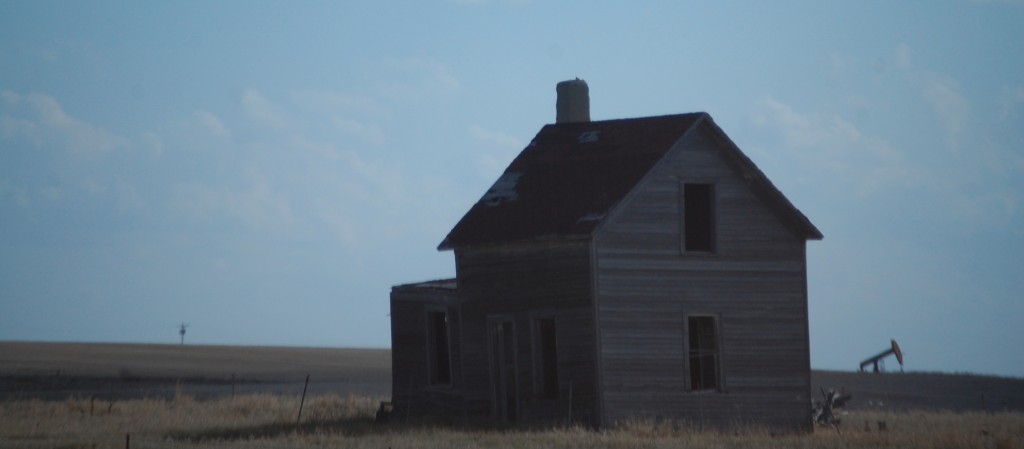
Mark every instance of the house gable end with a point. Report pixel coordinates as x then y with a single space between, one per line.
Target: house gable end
743 167
651 288
618 209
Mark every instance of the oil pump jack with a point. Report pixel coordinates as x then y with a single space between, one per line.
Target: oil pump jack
873 361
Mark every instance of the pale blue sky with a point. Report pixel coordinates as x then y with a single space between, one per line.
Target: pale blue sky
265 171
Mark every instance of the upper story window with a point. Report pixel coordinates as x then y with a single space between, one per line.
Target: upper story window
698 217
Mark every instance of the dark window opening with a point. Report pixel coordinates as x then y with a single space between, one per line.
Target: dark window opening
440 360
548 358
698 217
703 353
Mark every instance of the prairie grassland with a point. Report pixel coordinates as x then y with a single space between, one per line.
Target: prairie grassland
269 421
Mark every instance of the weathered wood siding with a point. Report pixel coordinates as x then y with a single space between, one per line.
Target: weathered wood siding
754 283
524 283
413 397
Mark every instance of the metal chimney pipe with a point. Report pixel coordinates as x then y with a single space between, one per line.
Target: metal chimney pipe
573 104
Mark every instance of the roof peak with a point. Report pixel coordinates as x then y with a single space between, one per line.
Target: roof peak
630 119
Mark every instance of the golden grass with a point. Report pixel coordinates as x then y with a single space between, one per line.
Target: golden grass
269 421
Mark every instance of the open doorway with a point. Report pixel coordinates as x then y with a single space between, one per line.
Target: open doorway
504 385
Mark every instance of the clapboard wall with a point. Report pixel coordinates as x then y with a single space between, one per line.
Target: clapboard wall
754 283
523 283
413 397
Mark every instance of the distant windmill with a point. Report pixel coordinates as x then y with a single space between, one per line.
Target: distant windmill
181 331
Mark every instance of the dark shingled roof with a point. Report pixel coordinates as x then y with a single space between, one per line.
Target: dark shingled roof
573 174
439 284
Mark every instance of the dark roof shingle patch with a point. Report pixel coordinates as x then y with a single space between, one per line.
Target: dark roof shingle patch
567 179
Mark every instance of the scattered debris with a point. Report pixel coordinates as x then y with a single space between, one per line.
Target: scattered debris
823 411
589 136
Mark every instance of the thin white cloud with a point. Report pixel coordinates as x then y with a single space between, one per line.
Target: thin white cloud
333 103
1010 100
383 179
951 107
128 197
151 143
306 167
199 132
16 193
368 133
52 193
338 112
341 190
41 120
1003 2
80 168
93 187
839 68
415 78
983 184
211 123
257 205
833 145
801 130
940 92
258 108
261 206
978 186
903 56
342 225
498 149
498 138
358 177
1018 95
487 2
372 175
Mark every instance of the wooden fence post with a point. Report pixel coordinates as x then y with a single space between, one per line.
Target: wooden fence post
570 404
303 401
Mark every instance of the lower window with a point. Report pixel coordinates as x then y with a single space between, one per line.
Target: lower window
438 349
547 357
703 353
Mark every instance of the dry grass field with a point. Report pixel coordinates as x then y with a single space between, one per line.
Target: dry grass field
269 421
85 406
59 370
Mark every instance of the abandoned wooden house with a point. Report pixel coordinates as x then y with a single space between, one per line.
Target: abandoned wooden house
636 268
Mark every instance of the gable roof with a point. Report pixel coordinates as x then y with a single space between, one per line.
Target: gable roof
762 186
571 175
